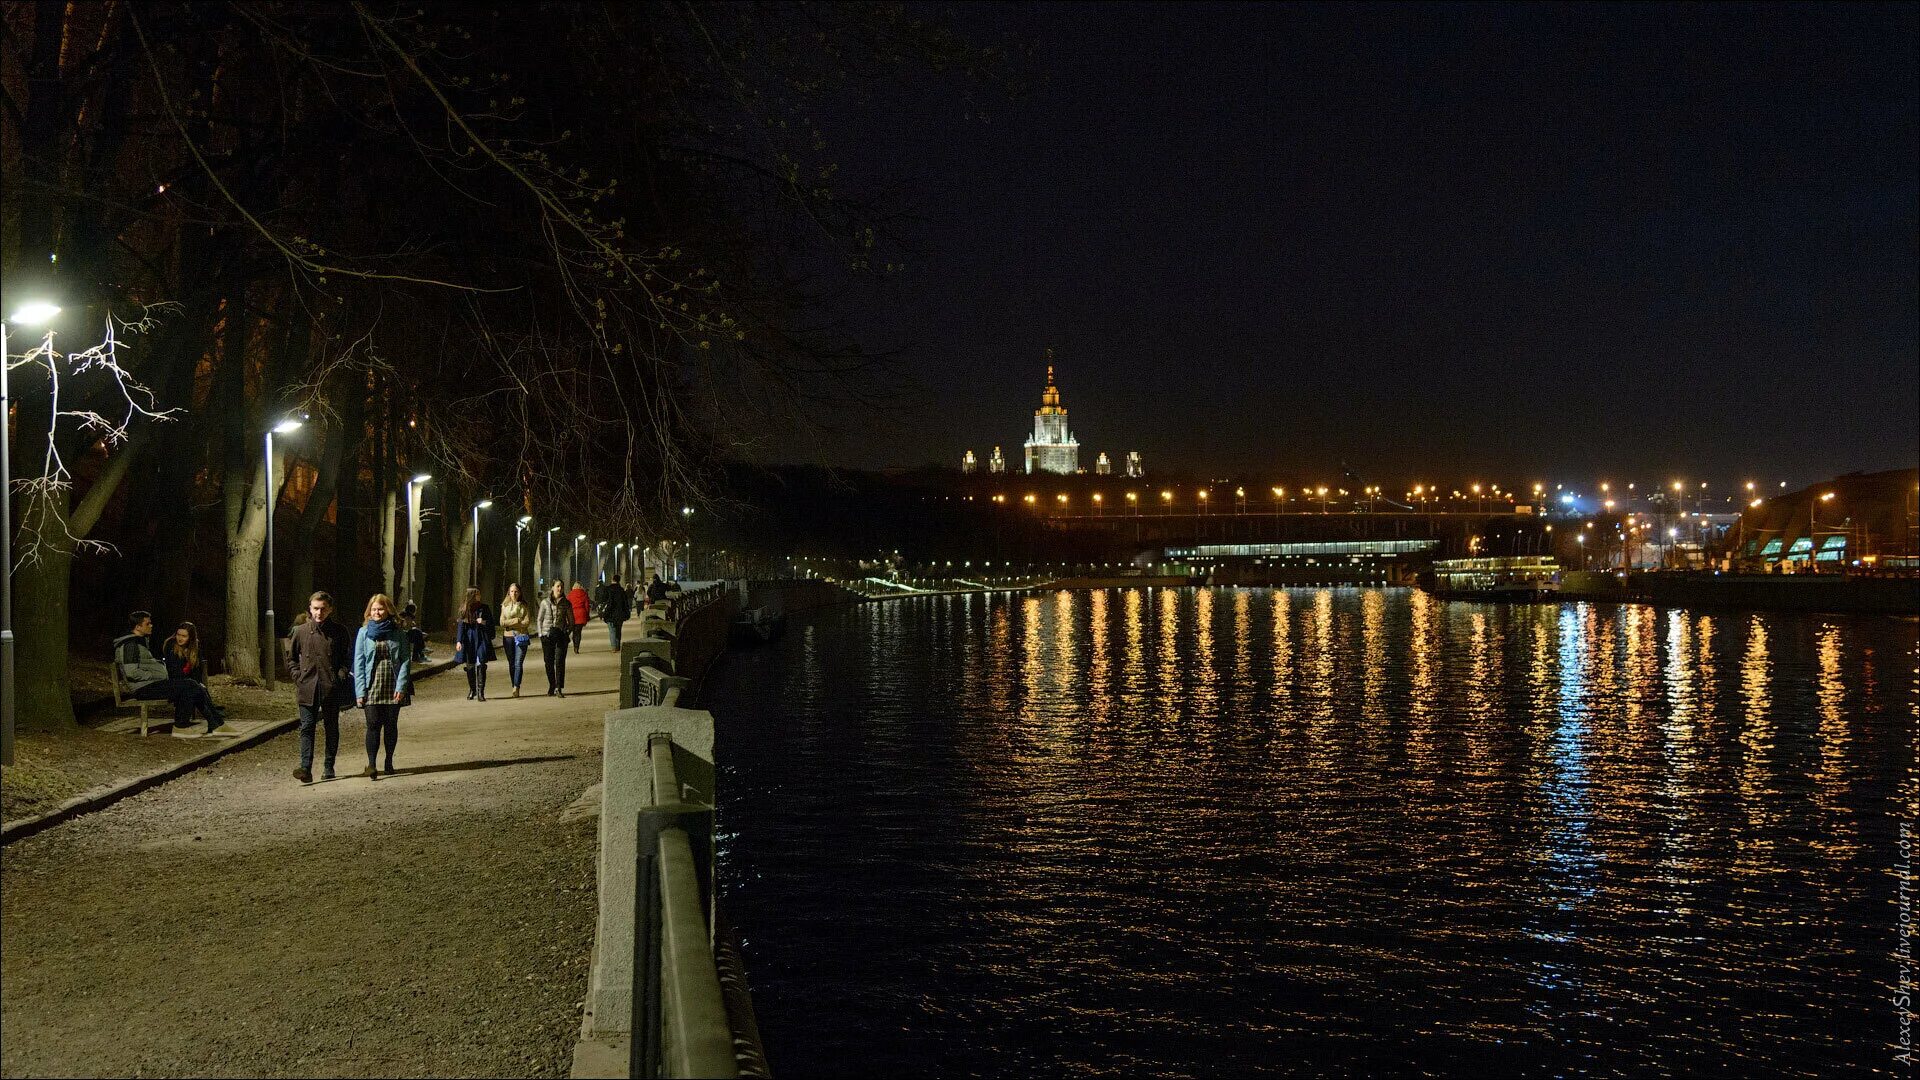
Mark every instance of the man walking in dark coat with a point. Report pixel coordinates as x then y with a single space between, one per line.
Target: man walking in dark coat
614 608
321 660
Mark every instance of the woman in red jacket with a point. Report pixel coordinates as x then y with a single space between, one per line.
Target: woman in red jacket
577 596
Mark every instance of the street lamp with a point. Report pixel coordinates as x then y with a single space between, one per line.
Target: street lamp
519 532
549 565
477 507
617 549
284 427
413 531
573 570
597 574
687 512
31 313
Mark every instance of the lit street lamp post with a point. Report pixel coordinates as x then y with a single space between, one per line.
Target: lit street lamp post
30 314
415 488
519 533
599 573
548 576
273 638
474 564
573 569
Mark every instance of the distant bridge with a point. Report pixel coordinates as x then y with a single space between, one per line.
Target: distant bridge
1453 531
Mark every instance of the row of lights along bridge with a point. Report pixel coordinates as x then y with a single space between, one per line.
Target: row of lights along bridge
1676 495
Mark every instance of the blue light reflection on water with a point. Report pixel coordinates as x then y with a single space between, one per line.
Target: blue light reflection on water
1266 831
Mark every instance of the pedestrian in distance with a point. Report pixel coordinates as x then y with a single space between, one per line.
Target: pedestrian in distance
614 609
416 638
516 623
554 623
382 678
656 590
149 679
320 659
577 596
473 642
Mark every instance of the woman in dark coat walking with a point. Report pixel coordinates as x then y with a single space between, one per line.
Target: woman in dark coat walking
473 643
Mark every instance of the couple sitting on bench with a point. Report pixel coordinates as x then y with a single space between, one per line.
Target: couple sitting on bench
179 681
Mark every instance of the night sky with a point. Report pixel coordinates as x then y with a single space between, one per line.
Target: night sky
1524 242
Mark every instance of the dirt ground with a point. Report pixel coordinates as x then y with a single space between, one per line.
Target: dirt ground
237 923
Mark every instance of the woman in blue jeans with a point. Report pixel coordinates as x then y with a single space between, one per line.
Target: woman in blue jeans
516 626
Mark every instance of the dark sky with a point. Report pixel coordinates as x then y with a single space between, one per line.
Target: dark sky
1523 242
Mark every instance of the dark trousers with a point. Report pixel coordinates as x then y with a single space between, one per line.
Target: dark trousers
516 658
613 632
577 628
383 722
553 649
186 695
312 716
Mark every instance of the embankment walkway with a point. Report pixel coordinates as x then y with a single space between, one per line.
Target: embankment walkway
235 923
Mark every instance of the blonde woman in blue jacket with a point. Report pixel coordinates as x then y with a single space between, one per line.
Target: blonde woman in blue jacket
382 678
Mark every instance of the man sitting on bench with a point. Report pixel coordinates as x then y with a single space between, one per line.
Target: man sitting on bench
147 677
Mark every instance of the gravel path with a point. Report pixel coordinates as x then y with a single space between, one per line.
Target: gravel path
236 923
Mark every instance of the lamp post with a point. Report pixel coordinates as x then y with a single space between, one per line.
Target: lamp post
687 513
284 427
415 488
474 563
617 550
34 313
548 577
519 532
598 572
573 569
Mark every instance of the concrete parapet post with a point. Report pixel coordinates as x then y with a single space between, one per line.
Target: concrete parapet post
627 789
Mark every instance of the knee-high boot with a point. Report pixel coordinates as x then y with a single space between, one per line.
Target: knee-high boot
472 684
480 677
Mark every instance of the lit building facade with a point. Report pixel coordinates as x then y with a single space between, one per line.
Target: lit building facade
969 464
998 462
1135 469
1052 447
1103 466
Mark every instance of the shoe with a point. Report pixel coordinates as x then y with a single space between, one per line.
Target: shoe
216 726
390 769
516 691
328 775
562 693
303 775
369 773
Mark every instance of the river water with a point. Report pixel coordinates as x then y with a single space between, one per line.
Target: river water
1198 832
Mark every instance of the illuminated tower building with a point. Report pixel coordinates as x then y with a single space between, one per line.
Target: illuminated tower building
1052 448
998 462
1103 466
969 464
1134 468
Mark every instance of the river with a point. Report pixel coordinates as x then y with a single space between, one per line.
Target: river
1197 832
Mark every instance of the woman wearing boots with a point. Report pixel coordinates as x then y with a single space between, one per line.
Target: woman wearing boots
515 624
555 624
473 643
382 678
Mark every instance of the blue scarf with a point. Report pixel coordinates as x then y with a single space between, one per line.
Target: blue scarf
378 629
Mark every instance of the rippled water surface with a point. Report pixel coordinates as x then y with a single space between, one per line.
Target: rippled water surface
1229 832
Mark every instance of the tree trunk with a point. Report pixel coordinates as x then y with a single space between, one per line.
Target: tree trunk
43 694
246 538
300 573
388 507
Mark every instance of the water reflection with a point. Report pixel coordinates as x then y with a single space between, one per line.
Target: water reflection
1360 828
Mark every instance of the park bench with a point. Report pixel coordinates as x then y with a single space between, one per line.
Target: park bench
123 695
